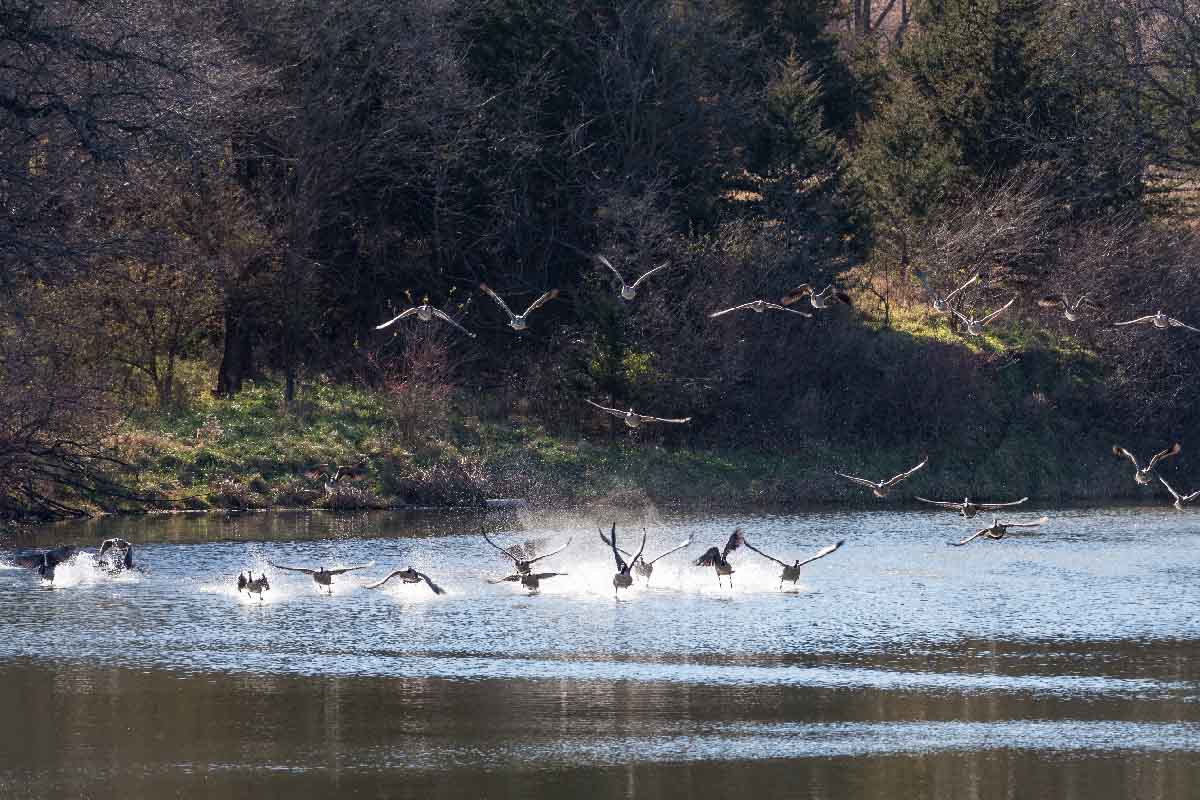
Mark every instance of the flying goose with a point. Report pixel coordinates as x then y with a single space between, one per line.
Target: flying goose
629 290
409 575
517 321
791 572
975 326
1180 499
819 299
322 576
717 558
1160 320
758 307
968 509
997 530
881 488
251 585
524 555
530 580
643 567
1142 475
623 579
942 304
114 556
634 419
1070 310
425 313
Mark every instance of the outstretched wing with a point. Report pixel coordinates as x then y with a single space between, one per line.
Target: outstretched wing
442 315
408 312
897 478
970 538
638 282
776 307
796 295
541 576
505 578
862 481
1177 324
824 551
393 574
498 299
541 301
340 570
608 264
1174 493
957 313
646 418
990 506
764 555
552 552
305 570
429 582
498 547
1121 451
941 503
1033 524
1146 318
997 312
1170 451
711 557
730 310
609 542
621 565
973 278
672 550
605 409
736 540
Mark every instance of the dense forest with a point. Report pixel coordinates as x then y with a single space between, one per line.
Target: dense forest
209 207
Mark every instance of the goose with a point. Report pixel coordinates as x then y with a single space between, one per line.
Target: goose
646 568
975 326
523 555
791 572
820 299
881 488
1142 475
1070 310
942 304
530 580
47 561
634 419
1160 320
998 529
1180 499
623 579
717 559
758 307
322 576
251 585
115 555
517 321
425 313
409 575
339 472
968 509
629 290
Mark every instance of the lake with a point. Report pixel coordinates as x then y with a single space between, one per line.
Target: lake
1059 662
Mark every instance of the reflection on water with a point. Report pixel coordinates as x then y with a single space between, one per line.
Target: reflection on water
1060 663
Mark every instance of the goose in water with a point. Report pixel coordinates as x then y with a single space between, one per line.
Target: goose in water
410 575
518 321
530 580
975 326
758 307
623 579
425 313
997 530
322 576
1180 499
791 572
881 488
634 419
524 556
942 304
718 559
47 561
1142 475
968 509
1070 310
252 585
643 567
115 555
820 299
1160 320
629 290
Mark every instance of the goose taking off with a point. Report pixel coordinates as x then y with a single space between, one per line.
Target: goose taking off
623 579
425 313
634 419
322 576
640 565
975 326
717 559
1142 475
1180 499
629 290
942 304
518 321
1070 310
524 555
968 509
115 555
881 488
47 561
791 572
758 307
997 530
251 585
409 575
820 299
1160 320
530 580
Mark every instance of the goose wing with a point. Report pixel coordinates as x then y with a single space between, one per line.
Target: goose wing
764 555
730 310
553 552
541 576
796 295
959 314
604 261
341 570
997 312
638 282
541 301
1053 301
305 570
641 549
621 565
1034 524
862 481
498 299
1187 498
242 578
736 540
1146 318
776 307
442 315
605 409
971 280
673 549
393 574
1174 493
609 542
824 551
646 418
990 506
941 503
710 558
1121 451
1173 450
528 548
498 547
408 312
970 538
429 582
505 578
1177 324
897 478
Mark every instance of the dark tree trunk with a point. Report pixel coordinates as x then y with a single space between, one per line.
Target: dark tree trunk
237 356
